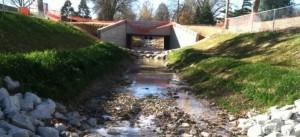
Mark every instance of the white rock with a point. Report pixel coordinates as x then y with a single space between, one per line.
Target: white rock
261 119
11 104
2 132
287 107
269 128
205 134
60 116
44 110
70 134
92 122
290 122
274 134
251 114
11 84
3 94
286 130
185 124
24 121
297 103
60 127
284 115
297 130
48 132
245 124
255 131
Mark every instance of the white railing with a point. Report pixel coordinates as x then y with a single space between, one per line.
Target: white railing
270 20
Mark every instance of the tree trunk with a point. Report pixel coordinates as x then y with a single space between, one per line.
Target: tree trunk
255 6
227 14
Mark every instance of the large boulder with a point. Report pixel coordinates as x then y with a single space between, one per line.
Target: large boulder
61 108
92 122
3 94
11 104
14 131
11 84
24 121
48 132
60 116
44 110
29 101
73 115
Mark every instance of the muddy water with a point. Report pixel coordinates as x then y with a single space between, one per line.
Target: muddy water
150 78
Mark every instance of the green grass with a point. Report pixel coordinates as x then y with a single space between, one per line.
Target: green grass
245 71
19 33
52 59
60 74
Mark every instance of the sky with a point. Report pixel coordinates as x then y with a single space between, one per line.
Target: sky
57 4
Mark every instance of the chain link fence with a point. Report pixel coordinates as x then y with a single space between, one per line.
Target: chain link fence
270 20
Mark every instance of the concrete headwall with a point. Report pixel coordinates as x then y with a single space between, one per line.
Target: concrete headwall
152 28
115 33
181 37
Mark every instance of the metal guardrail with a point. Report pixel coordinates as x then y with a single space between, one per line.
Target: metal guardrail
270 20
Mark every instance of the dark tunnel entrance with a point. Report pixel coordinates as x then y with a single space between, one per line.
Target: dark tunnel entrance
147 42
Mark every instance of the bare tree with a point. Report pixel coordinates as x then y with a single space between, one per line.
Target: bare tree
162 13
107 9
22 3
255 6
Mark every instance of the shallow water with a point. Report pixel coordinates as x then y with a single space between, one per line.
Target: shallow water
150 78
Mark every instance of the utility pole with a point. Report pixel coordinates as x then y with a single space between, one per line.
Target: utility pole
226 14
177 19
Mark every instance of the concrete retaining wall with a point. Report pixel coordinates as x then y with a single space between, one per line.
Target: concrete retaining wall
115 33
181 37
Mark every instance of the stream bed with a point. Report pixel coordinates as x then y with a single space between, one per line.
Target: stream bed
152 101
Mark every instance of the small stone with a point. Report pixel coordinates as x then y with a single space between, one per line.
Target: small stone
85 126
75 122
274 134
113 131
245 124
60 116
232 117
297 130
255 131
158 130
70 134
44 110
72 115
286 130
186 135
287 107
92 122
3 94
11 84
1 114
2 132
205 134
11 104
269 128
251 114
261 119
19 133
24 121
60 127
297 103
193 131
48 132
61 108
185 125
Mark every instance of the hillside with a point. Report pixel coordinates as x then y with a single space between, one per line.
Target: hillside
19 33
51 59
240 72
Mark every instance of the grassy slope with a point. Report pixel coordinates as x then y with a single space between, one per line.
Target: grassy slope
19 33
241 72
52 59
